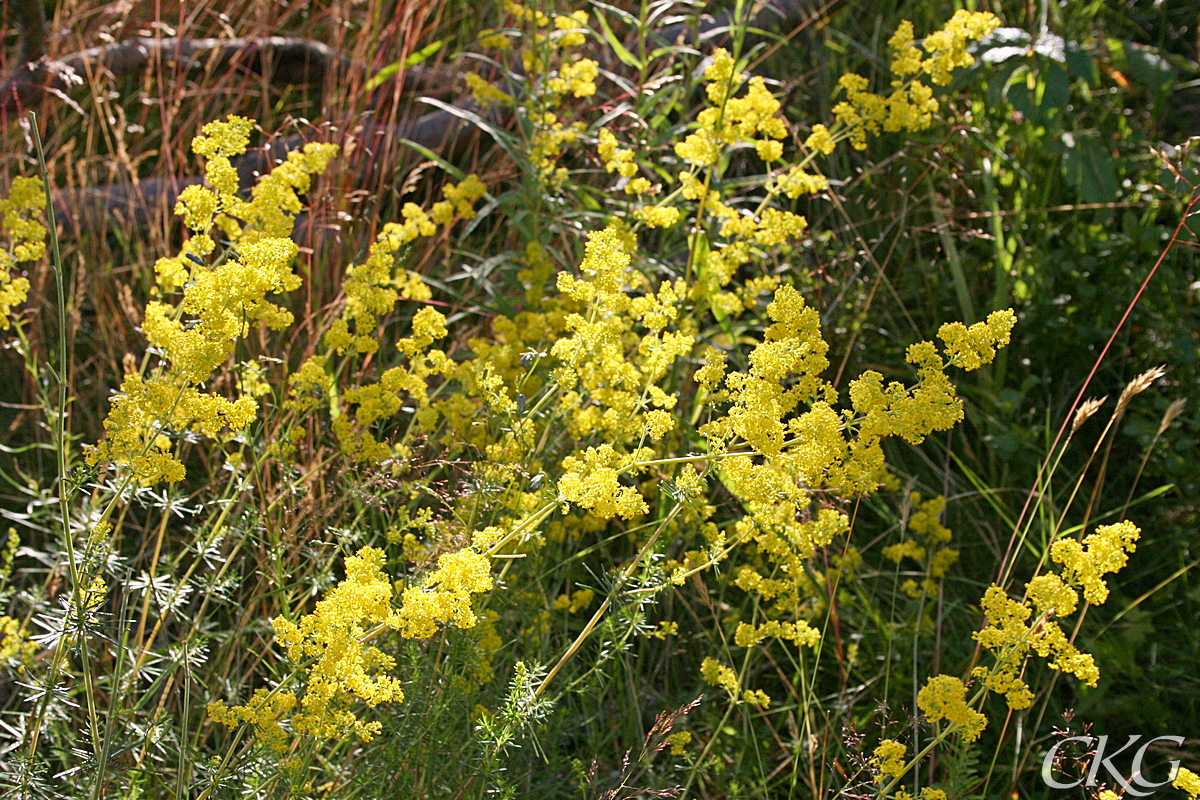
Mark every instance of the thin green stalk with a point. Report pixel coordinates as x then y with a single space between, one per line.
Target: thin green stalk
625 575
60 432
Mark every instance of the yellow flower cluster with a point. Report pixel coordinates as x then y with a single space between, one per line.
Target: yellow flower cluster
906 549
16 648
372 288
925 521
265 711
792 349
786 543
665 628
592 482
797 182
308 385
717 674
577 78
344 668
616 158
485 93
1187 781
270 213
926 793
656 216
931 537
144 412
725 122
745 232
780 409
947 48
730 120
9 554
933 405
571 28
587 374
554 74
812 444
340 667
971 348
460 200
943 697
625 400
27 240
889 760
567 30
488 37
783 412
550 136
621 160
799 633
679 742
529 14
1010 637
573 603
445 595
1086 563
220 302
910 105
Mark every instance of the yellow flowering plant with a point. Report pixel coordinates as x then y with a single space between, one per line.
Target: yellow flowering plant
593 368
592 361
409 540
27 242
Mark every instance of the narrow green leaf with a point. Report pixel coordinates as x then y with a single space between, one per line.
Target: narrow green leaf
424 53
627 58
393 68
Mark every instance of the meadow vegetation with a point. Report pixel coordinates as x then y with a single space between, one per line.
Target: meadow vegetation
686 430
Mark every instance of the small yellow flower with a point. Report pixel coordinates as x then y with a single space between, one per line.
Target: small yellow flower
1187 781
20 210
1105 551
944 698
907 548
717 674
679 742
16 648
657 216
889 759
768 150
485 93
498 41
820 140
580 77
638 186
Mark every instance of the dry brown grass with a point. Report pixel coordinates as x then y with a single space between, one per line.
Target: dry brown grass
129 135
